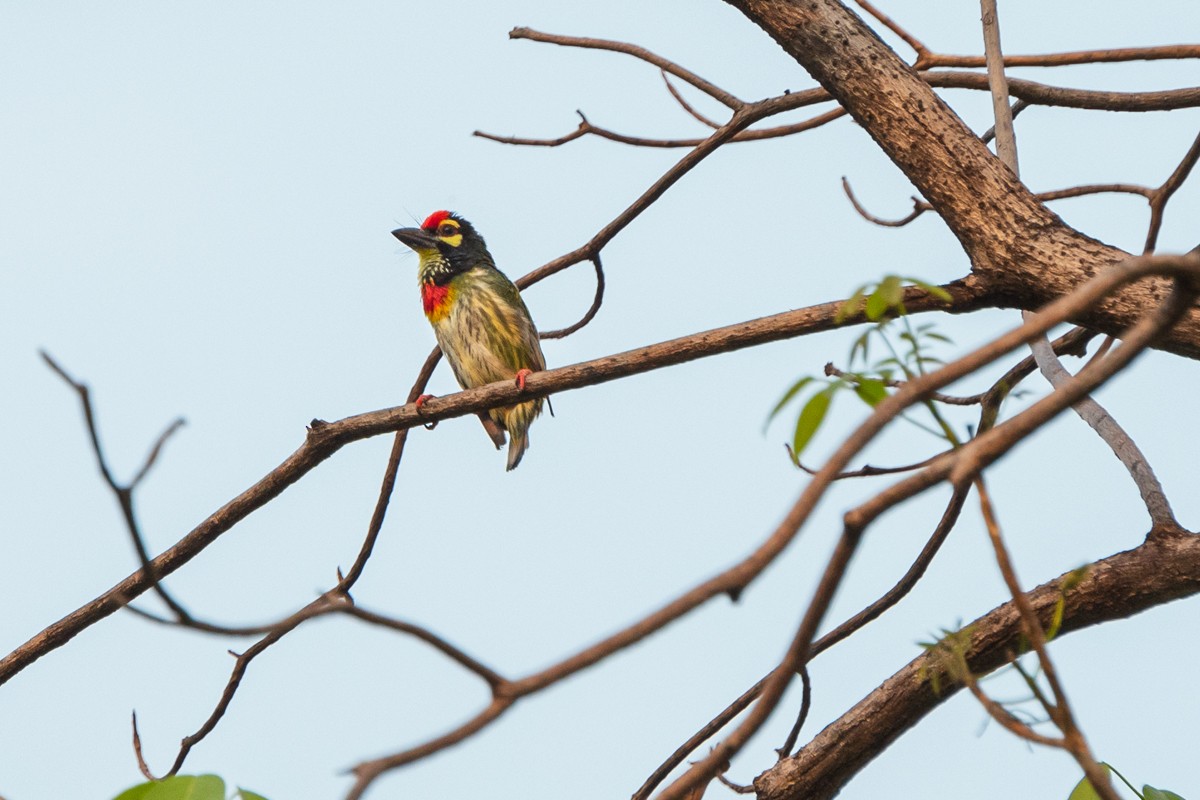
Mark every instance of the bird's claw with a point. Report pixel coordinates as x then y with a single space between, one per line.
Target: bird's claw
420 401
522 374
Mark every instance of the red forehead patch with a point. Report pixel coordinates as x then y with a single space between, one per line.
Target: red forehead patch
433 220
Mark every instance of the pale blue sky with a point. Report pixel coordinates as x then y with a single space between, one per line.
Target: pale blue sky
195 206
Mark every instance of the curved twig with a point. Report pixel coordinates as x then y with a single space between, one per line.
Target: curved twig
597 300
1074 342
124 492
958 467
785 749
320 606
495 681
948 399
927 59
919 208
754 135
326 438
866 471
710 89
916 44
1158 201
685 105
1115 588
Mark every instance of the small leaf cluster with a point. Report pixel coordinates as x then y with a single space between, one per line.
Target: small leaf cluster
947 657
876 301
908 354
185 787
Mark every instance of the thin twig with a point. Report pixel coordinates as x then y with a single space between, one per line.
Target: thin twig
1158 202
124 492
866 471
494 680
1088 409
785 749
958 467
685 105
1122 444
1006 139
1060 711
1015 109
590 314
710 89
1116 587
921 206
1102 56
1002 715
1044 95
586 127
316 608
948 399
736 788
916 44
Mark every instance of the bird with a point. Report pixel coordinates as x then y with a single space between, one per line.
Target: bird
479 319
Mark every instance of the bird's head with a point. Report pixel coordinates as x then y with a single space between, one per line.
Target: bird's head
447 245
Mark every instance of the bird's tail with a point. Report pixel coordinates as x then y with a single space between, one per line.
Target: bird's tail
518 440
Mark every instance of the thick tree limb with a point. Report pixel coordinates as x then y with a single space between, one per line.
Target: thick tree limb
1165 568
1017 247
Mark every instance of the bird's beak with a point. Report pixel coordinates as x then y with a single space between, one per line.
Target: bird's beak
416 238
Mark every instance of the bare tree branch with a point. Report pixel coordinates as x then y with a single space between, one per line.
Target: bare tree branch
590 314
1165 568
1042 95
1060 710
958 467
1160 196
326 438
641 53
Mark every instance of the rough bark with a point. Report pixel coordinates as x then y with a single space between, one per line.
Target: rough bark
1020 251
1165 568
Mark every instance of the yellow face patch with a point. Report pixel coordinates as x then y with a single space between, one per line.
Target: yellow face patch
448 231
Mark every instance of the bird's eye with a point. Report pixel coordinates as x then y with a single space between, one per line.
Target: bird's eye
446 229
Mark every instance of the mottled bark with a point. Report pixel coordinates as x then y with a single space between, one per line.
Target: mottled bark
1022 253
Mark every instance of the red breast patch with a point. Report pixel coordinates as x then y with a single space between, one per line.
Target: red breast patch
435 298
433 220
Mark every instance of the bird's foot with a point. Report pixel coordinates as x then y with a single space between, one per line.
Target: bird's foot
522 374
420 401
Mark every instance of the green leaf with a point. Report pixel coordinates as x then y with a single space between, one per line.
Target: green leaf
1056 619
851 307
1084 789
892 288
811 417
1150 793
787 397
938 337
188 787
246 794
871 391
877 304
138 792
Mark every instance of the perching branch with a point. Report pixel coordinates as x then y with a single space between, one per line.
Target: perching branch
994 282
